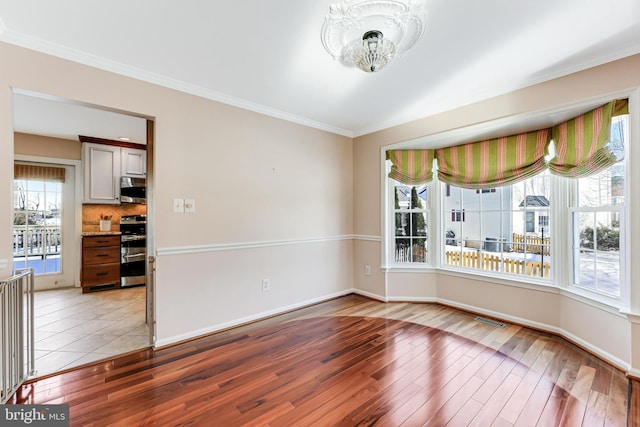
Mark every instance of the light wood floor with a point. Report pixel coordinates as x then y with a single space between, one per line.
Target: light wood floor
346 362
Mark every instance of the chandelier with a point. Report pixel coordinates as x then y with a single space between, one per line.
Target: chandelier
369 34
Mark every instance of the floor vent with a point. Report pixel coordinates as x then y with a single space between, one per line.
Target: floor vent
490 322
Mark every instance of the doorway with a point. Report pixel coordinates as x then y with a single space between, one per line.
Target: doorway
44 221
49 227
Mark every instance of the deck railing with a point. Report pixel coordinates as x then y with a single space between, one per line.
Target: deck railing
36 240
17 356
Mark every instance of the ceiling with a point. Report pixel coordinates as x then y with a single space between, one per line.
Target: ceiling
267 56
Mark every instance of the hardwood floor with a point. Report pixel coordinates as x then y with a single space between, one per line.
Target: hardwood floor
347 362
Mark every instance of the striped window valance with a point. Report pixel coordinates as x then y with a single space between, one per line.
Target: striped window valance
495 162
36 172
582 144
411 167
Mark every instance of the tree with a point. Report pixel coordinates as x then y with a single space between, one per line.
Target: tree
418 227
607 238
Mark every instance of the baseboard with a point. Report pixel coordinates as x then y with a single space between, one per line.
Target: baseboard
369 295
176 339
596 351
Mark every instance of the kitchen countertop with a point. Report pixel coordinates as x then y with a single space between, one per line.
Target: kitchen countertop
100 233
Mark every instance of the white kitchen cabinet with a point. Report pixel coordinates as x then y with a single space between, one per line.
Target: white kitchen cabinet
134 162
102 164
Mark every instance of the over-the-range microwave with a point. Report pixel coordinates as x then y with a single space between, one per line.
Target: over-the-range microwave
133 190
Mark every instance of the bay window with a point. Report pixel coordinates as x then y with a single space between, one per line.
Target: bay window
502 203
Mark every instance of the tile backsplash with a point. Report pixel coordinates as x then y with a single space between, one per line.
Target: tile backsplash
91 215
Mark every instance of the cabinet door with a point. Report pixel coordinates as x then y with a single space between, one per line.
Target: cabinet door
134 162
101 173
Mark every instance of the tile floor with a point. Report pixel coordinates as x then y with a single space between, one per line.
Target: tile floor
72 328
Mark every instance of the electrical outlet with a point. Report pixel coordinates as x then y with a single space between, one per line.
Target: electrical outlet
367 270
189 205
266 285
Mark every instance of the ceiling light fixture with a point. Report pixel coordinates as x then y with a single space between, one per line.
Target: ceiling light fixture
371 33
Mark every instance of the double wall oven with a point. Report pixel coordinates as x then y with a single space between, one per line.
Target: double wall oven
133 250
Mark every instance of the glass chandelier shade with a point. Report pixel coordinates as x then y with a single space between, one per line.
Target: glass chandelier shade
373 52
352 31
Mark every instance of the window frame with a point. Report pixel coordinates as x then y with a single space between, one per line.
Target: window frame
391 228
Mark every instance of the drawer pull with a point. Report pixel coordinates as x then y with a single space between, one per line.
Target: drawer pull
102 255
104 273
102 241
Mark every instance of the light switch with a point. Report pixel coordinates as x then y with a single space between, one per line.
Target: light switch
178 205
189 205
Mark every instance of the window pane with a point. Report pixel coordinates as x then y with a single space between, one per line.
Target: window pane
506 229
402 197
419 250
410 223
402 224
403 250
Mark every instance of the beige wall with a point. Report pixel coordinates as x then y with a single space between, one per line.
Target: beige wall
273 198
35 145
604 330
281 201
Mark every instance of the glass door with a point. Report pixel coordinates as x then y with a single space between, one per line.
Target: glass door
42 214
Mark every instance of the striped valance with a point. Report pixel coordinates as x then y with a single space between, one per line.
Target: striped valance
582 144
411 167
36 172
495 162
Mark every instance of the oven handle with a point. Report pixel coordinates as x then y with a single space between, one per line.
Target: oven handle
140 255
126 238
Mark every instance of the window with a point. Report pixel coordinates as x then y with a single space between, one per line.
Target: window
597 222
500 232
457 215
411 223
37 213
570 191
543 221
531 222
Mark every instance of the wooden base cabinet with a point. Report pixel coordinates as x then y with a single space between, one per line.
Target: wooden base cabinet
100 263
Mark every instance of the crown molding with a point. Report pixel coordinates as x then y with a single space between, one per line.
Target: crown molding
84 58
46 47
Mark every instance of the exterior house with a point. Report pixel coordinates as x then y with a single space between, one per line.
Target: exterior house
316 216
465 223
536 215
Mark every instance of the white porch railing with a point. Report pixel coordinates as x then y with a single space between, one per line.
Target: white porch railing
36 240
17 356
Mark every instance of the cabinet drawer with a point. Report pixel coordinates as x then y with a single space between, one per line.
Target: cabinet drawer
99 255
102 273
94 241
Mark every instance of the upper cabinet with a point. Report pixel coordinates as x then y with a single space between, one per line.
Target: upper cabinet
134 162
104 164
101 164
